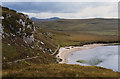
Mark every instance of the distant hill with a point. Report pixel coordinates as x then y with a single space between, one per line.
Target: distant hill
48 19
81 31
92 25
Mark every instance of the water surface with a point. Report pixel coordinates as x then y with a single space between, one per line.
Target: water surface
103 56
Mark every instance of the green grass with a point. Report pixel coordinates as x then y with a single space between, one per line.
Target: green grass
86 25
68 32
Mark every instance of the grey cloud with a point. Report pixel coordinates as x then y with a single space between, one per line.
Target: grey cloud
53 7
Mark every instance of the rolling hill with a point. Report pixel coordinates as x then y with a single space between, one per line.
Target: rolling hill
81 31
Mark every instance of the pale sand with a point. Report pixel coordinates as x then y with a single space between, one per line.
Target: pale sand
65 51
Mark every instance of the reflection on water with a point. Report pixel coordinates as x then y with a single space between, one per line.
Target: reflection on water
104 56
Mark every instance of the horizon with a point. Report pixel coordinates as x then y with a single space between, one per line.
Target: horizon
79 18
66 10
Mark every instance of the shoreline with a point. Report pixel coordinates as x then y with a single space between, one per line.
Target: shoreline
65 51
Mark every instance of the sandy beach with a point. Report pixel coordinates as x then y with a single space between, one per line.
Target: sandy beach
65 51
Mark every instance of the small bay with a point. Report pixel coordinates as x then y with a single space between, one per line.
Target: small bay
103 56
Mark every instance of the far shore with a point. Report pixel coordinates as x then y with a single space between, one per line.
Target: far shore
65 51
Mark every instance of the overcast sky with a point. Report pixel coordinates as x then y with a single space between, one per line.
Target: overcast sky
59 0
68 10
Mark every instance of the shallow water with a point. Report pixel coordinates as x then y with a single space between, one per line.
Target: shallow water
103 56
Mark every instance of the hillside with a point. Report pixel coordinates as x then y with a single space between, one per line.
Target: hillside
63 70
21 40
95 24
27 51
81 31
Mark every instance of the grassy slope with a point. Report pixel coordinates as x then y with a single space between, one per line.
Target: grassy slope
81 31
11 47
15 48
80 24
60 70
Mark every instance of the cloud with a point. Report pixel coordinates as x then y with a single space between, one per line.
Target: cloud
69 10
59 0
106 11
42 6
55 7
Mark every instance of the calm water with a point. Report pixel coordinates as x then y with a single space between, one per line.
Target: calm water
104 56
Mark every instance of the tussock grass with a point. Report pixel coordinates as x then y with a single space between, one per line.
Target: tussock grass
60 70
